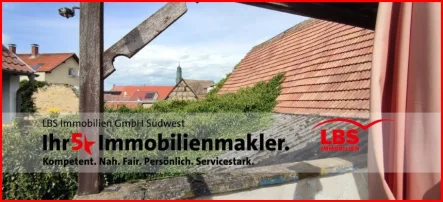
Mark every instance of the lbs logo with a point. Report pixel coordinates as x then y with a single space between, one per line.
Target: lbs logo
341 137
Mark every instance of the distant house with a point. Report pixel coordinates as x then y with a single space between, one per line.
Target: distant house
189 89
145 96
135 96
200 87
182 91
54 68
12 68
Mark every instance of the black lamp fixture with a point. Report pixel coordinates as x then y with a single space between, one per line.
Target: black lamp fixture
67 12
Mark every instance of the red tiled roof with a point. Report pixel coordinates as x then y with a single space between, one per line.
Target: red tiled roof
10 62
117 88
326 65
109 97
162 91
140 95
47 61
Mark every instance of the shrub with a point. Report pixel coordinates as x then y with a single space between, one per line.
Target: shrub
259 98
217 87
229 115
23 184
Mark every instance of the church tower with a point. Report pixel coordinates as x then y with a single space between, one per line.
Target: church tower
178 77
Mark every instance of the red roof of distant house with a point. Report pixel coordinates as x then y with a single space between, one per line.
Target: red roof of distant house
142 96
46 62
110 97
12 63
117 88
326 66
134 96
162 91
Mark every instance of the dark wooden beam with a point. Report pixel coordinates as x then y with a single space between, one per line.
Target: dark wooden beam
324 11
144 33
91 92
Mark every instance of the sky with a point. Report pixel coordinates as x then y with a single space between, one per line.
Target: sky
207 41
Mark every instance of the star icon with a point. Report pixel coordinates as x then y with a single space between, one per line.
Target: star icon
88 145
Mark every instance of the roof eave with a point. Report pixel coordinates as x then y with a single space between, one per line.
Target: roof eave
17 72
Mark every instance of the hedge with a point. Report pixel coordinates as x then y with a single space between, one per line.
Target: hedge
259 98
229 115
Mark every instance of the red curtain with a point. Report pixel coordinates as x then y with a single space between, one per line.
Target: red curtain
404 156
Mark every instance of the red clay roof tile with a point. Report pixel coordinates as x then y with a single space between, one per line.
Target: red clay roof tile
47 61
141 95
162 91
326 66
10 62
131 95
109 97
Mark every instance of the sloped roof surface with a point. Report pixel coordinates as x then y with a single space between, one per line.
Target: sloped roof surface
326 65
141 95
162 91
111 97
199 86
10 62
47 61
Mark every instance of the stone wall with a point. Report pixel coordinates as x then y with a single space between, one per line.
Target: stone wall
60 96
331 178
351 185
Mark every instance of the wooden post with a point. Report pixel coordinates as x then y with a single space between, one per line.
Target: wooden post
96 65
91 92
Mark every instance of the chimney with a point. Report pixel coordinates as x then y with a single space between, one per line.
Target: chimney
178 77
12 48
34 50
